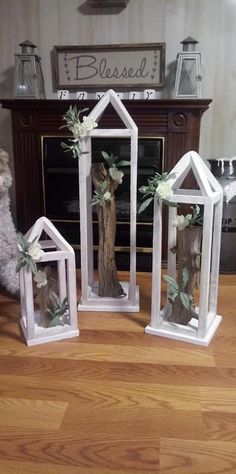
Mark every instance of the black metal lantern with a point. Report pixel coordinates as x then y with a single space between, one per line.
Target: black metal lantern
29 83
188 71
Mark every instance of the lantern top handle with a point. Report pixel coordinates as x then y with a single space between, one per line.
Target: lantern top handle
27 47
189 44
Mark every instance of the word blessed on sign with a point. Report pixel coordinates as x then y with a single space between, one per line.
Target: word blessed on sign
104 66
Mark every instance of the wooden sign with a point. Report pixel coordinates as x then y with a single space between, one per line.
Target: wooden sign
116 66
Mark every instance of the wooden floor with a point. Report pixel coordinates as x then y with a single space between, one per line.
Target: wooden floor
116 400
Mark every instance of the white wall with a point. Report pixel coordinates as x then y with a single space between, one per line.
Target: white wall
63 22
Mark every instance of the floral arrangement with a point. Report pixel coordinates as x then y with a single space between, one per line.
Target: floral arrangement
177 289
54 311
188 250
30 252
78 128
182 221
103 195
158 186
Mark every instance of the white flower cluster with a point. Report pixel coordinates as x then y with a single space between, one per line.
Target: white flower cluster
164 191
107 196
182 222
40 279
34 251
80 129
116 174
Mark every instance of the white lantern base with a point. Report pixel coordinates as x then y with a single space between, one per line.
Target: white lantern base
42 335
187 333
104 303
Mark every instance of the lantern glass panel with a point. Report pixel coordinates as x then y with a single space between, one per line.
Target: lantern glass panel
25 85
188 74
39 74
49 296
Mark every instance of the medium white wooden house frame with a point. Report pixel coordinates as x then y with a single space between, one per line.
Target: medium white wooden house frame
210 195
90 301
56 249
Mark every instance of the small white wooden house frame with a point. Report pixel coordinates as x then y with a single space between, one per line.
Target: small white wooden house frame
90 301
56 249
210 195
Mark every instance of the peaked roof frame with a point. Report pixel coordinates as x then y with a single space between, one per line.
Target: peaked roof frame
43 224
192 161
110 97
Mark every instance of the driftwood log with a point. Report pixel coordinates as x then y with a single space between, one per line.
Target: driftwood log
188 252
108 283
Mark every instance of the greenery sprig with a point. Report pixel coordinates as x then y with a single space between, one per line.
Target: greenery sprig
158 185
178 290
58 311
102 195
30 253
113 166
78 128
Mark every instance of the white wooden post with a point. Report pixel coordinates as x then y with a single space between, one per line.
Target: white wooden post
172 236
205 268
29 300
215 257
133 212
156 267
61 279
86 230
71 290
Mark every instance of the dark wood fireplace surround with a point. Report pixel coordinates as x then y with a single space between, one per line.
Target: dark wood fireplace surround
177 121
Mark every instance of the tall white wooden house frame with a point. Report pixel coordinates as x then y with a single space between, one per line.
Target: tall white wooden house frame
56 249
90 301
210 195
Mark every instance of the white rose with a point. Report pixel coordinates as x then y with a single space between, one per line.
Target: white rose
89 123
107 196
35 251
183 221
40 279
76 130
164 191
117 175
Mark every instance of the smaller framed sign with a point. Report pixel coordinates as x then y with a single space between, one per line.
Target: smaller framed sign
117 66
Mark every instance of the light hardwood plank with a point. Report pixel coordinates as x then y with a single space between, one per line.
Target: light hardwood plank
35 414
220 399
182 456
220 426
74 449
12 467
104 394
183 355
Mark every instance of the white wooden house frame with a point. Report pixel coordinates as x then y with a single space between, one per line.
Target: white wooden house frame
56 249
90 301
210 195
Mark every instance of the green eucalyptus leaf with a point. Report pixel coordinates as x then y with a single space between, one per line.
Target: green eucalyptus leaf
171 281
145 204
20 264
185 275
123 163
172 295
185 299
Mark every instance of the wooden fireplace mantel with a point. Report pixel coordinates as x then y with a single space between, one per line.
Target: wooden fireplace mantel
177 121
